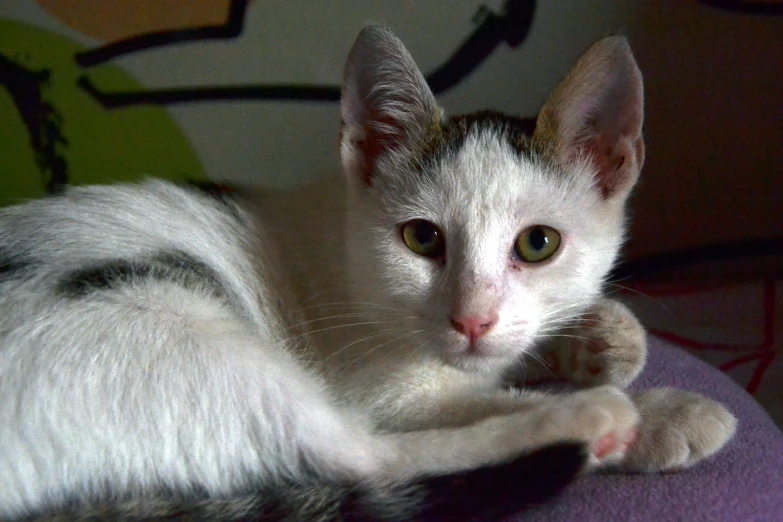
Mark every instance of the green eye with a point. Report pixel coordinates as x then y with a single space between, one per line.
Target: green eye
537 244
423 238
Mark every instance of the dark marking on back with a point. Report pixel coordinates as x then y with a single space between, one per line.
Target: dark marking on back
450 137
174 266
10 265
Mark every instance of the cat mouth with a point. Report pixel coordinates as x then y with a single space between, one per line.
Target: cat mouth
476 352
475 361
459 350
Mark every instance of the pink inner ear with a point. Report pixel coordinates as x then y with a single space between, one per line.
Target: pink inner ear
597 113
609 158
376 142
371 150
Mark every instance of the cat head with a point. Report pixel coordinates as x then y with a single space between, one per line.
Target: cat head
486 233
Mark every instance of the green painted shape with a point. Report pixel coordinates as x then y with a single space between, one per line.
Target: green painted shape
104 146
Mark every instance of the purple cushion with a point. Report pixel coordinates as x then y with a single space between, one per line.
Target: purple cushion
743 482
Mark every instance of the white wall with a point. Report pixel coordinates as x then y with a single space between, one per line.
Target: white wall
306 42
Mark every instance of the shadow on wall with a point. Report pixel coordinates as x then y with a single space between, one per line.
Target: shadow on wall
714 169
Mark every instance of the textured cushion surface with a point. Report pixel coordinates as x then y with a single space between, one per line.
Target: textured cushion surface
743 482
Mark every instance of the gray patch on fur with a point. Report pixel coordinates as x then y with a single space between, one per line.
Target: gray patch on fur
492 491
291 502
174 266
8 264
11 265
451 137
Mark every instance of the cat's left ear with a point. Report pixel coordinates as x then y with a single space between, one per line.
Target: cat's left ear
596 113
386 103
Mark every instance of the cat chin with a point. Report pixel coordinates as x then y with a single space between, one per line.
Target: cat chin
489 357
477 363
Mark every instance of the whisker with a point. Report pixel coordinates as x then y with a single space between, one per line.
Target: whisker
379 346
349 325
422 345
567 336
558 311
318 294
354 343
357 304
330 317
543 363
651 298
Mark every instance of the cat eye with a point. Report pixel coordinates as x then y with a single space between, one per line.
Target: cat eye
537 244
423 238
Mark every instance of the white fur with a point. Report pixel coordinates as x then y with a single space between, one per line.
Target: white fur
155 385
328 348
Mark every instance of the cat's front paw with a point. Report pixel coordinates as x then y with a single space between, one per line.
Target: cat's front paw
611 348
606 418
678 429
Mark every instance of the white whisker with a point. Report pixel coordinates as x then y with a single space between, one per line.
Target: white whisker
379 346
348 325
651 298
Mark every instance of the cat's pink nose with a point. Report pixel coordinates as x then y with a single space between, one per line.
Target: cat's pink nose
475 326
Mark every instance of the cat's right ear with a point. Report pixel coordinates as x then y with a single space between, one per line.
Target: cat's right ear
386 103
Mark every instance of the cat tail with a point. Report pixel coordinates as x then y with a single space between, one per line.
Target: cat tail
492 491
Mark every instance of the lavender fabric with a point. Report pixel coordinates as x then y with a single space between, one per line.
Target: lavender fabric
742 483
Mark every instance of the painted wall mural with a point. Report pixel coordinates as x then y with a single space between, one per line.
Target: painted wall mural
71 114
53 132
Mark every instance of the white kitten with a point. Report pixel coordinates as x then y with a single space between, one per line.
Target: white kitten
160 349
